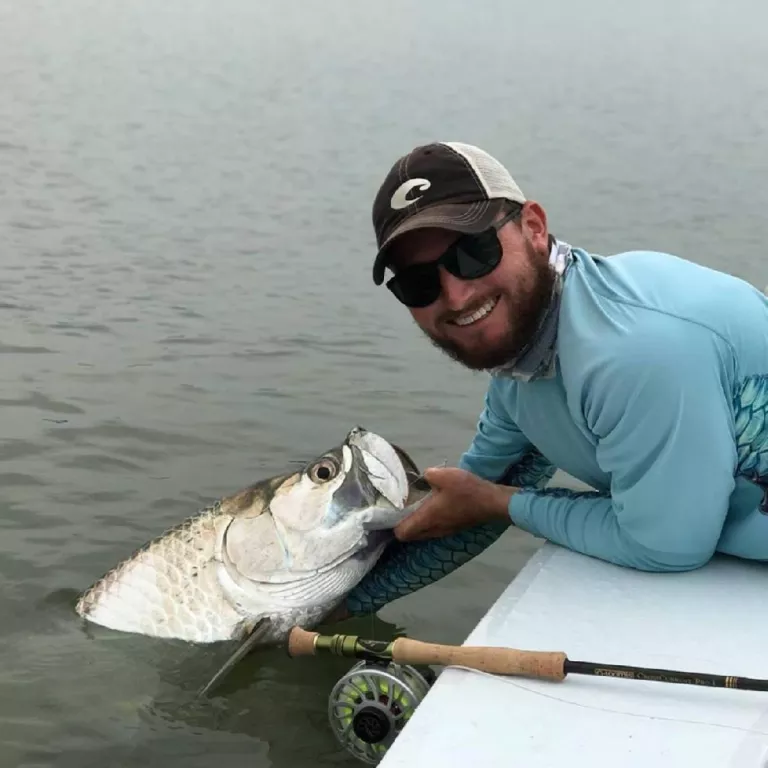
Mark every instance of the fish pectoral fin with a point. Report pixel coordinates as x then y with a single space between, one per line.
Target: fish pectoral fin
258 632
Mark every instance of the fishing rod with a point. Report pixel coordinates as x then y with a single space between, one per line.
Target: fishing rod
370 705
550 665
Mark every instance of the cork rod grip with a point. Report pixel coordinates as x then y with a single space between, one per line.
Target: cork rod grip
497 661
301 642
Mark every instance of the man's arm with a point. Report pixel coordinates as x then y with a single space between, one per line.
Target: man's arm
498 444
499 452
660 408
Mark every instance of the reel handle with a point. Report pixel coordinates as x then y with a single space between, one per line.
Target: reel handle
497 661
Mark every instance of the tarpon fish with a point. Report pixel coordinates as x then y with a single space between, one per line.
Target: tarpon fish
280 553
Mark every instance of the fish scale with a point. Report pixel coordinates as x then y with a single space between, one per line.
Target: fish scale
168 584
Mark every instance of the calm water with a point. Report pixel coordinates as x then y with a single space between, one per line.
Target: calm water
184 210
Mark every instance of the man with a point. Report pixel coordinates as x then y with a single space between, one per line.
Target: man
643 375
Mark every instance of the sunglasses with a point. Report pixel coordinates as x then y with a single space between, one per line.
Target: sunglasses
469 257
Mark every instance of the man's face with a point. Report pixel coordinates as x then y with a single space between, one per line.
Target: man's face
485 322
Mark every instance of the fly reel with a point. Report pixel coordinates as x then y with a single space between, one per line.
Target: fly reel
370 705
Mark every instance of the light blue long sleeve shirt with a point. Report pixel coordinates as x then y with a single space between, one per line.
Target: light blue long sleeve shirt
659 402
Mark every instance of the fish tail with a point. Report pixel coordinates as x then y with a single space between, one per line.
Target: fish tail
406 567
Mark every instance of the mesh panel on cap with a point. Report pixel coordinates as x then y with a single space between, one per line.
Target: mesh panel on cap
491 173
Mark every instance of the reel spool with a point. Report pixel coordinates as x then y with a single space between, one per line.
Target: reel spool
370 705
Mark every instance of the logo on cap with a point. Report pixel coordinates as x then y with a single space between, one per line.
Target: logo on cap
399 199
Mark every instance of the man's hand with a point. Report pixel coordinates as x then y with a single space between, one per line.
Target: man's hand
459 500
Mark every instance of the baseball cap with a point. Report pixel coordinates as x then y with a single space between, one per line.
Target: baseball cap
443 184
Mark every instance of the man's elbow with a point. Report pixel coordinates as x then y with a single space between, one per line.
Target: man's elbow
656 561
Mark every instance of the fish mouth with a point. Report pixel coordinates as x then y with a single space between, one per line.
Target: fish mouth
417 485
357 492
414 476
381 465
384 482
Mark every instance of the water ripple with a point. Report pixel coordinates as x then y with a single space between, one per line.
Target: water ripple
100 462
18 479
14 349
41 402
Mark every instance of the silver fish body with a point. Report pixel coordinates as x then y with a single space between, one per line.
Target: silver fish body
286 550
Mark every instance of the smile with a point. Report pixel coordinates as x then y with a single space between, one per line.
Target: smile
478 314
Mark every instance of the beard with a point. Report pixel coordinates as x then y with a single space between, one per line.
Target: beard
526 309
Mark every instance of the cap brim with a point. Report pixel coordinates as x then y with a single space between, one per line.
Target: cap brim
469 218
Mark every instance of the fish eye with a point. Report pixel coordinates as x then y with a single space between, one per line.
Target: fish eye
324 470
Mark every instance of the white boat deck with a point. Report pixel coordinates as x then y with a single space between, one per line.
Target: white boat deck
711 620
